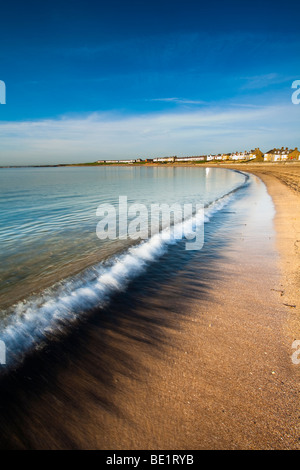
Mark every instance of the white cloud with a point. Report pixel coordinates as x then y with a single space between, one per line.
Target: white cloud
97 136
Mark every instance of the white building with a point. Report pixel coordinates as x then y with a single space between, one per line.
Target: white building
191 159
277 155
164 159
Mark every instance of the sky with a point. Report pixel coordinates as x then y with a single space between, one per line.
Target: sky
89 80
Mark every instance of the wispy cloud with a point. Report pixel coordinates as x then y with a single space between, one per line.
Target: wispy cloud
264 81
103 135
179 100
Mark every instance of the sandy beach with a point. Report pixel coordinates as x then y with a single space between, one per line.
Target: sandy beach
210 369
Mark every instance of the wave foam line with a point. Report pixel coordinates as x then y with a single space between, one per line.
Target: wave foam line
30 324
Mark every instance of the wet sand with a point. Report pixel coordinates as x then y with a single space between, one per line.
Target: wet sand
283 184
203 362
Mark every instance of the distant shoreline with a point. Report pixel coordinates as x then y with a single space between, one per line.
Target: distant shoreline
224 164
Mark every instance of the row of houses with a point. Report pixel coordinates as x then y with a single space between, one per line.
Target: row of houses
138 160
206 158
199 158
282 155
274 155
242 156
157 160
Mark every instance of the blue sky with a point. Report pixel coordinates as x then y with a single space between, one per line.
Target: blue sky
92 80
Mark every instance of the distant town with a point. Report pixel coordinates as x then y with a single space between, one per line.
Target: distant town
283 154
273 155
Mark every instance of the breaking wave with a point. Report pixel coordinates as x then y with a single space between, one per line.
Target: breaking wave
31 324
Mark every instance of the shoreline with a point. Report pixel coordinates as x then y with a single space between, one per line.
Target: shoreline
284 188
205 363
214 164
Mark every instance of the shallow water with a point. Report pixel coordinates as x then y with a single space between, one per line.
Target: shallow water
48 216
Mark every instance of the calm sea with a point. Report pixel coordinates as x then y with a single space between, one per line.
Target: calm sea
53 267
